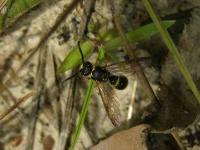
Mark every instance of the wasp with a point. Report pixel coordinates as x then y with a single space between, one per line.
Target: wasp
106 81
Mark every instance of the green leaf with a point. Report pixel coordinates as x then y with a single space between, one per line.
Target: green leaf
101 54
141 33
15 8
108 35
73 59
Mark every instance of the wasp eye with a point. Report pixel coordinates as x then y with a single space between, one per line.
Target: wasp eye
87 68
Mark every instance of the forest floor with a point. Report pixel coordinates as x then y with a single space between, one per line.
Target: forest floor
31 52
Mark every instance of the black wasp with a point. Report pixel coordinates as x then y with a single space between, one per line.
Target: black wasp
100 74
103 76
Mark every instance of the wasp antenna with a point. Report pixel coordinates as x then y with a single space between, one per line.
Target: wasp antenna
79 47
72 76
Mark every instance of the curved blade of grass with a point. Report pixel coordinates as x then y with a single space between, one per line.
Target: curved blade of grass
83 113
86 102
171 46
141 33
73 59
15 8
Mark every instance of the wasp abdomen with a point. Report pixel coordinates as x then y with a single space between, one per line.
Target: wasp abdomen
120 82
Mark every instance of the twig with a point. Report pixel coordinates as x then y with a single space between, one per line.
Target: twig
88 9
67 117
40 89
23 99
176 137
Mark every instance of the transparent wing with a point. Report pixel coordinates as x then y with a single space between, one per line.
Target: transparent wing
110 102
127 68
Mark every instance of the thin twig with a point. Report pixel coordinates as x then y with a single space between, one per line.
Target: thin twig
176 137
23 99
40 89
66 122
88 10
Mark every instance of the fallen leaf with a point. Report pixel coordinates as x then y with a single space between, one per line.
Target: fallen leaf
131 139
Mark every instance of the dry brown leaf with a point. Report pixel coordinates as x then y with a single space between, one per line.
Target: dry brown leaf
131 139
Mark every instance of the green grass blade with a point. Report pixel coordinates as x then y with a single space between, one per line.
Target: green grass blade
86 102
15 8
136 35
171 46
83 113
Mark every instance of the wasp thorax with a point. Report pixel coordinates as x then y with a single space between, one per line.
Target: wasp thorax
86 69
100 74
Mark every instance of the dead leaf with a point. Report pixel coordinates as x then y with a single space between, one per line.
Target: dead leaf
131 139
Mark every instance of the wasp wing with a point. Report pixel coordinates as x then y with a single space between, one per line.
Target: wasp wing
128 67
110 102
